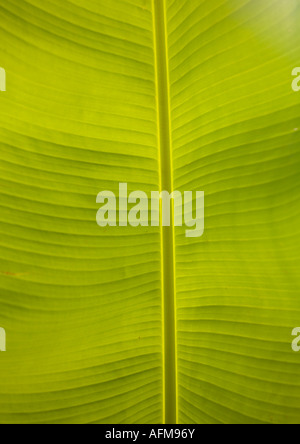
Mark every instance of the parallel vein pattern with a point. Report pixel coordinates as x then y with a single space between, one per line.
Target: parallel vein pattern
88 337
81 305
234 121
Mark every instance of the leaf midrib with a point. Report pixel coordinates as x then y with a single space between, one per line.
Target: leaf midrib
167 233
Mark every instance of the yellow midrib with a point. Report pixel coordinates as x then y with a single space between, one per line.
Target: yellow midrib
167 233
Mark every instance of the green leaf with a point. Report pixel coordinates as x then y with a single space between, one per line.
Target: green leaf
145 325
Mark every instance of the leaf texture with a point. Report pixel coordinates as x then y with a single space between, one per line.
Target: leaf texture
91 317
234 120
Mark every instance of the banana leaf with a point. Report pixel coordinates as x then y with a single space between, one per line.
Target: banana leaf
144 325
